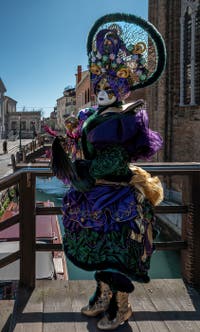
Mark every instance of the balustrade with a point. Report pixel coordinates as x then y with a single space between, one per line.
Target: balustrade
190 209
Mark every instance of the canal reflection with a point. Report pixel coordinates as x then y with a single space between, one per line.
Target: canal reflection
164 264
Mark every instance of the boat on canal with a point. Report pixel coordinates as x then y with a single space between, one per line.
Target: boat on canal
49 265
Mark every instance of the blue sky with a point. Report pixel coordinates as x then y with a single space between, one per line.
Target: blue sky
43 41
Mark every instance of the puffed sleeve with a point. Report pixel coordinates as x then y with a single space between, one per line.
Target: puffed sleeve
131 131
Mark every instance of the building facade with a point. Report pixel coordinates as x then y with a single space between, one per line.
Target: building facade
84 93
13 123
65 106
7 106
2 93
174 101
24 124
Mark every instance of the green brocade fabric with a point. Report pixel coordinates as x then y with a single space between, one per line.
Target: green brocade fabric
110 161
91 250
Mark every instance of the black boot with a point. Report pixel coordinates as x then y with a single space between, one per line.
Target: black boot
117 281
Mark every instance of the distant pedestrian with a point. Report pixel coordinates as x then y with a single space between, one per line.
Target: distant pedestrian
34 134
5 150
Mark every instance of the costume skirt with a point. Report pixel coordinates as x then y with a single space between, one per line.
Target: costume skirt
109 227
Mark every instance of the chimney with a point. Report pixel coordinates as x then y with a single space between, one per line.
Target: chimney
79 73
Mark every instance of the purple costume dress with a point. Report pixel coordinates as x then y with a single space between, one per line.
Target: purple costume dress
110 225
108 211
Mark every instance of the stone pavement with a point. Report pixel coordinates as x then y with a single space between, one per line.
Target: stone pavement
5 159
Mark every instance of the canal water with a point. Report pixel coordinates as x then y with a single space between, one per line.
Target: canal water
164 264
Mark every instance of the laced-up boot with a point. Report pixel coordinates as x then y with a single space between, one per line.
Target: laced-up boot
118 313
99 301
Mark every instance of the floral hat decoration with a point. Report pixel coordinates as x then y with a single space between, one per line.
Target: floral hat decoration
126 50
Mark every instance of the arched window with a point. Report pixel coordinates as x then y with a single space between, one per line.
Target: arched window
13 125
197 56
190 53
187 56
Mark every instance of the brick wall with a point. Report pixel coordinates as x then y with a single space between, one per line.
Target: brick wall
179 126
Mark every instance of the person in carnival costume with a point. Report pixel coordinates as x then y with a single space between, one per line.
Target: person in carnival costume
108 210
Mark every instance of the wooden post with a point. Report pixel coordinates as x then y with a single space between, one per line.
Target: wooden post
24 155
18 157
13 162
191 232
27 230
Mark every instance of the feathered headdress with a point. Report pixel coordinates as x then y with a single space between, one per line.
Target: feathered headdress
127 50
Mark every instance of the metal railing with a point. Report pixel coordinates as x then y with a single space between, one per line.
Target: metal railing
189 243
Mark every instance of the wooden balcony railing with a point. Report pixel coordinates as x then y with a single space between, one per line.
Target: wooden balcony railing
190 209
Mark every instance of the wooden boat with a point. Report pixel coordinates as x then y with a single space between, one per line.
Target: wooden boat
49 265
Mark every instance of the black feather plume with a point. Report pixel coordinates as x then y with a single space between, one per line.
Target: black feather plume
62 165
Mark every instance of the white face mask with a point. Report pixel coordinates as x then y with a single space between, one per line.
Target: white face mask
103 99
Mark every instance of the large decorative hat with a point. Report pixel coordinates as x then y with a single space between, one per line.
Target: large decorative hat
126 50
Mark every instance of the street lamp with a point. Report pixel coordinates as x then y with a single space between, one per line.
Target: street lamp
33 128
20 134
